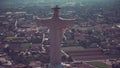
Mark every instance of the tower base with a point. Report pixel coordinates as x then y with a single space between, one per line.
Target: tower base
55 66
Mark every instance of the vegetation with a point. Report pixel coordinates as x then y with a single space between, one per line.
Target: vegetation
99 64
72 48
26 45
13 38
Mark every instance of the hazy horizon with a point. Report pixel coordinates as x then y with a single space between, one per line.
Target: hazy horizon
15 3
30 1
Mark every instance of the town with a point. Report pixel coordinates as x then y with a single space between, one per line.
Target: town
94 37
